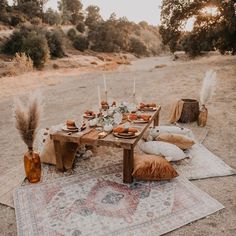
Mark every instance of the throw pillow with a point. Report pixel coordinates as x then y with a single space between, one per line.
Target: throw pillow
170 151
149 167
179 140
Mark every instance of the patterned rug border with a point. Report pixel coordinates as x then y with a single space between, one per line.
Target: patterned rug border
214 206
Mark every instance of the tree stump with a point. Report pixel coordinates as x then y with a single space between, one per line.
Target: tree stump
190 111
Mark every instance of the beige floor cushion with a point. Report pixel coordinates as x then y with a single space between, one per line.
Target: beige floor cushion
179 140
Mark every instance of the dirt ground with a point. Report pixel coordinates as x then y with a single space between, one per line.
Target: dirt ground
68 93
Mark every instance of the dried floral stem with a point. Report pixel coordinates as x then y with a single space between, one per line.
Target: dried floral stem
208 86
27 119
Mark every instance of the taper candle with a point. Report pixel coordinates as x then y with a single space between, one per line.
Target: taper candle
105 83
134 89
99 97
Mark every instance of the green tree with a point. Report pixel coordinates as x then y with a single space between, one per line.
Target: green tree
52 17
30 8
71 11
3 5
93 17
218 30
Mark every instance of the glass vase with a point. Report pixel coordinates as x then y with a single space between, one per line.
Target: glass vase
202 118
32 166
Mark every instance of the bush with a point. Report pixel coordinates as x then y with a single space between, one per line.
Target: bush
31 41
138 47
22 63
14 44
55 43
36 47
71 34
36 21
17 19
52 17
80 27
80 43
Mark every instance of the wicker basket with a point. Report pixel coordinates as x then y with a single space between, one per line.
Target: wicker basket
190 111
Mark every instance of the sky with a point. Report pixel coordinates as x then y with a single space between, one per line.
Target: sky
134 10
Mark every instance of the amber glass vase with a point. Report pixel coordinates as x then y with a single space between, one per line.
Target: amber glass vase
202 118
32 166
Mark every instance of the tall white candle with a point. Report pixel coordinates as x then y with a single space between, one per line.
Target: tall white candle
99 97
134 89
105 83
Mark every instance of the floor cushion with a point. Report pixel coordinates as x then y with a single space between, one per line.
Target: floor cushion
179 140
170 151
150 167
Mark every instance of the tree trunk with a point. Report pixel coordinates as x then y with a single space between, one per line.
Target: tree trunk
190 111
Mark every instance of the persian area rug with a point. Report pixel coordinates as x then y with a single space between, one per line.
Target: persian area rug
202 164
98 203
8 182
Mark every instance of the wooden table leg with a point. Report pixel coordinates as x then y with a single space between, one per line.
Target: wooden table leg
128 164
58 152
156 120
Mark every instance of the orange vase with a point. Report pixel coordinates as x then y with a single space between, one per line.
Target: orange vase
32 166
202 118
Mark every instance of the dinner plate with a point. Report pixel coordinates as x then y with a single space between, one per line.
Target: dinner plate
139 121
148 109
126 135
86 116
64 128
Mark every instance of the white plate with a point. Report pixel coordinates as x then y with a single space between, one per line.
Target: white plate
64 128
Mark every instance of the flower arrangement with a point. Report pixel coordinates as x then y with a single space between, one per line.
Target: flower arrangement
27 121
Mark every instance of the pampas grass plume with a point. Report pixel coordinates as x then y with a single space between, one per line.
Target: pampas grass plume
208 86
27 118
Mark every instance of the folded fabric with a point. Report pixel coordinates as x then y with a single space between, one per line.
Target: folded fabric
149 167
46 147
170 151
176 111
179 140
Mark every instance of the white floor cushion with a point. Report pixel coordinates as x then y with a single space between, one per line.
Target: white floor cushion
170 151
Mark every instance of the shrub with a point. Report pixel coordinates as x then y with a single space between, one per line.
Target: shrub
17 19
30 40
22 63
55 43
36 21
36 47
138 47
14 44
52 17
80 27
71 34
80 43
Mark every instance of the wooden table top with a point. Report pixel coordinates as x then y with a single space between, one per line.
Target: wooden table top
91 137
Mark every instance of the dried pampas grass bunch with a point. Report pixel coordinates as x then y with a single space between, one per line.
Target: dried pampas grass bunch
27 118
208 86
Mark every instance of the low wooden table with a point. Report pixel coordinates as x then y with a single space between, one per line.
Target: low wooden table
91 138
